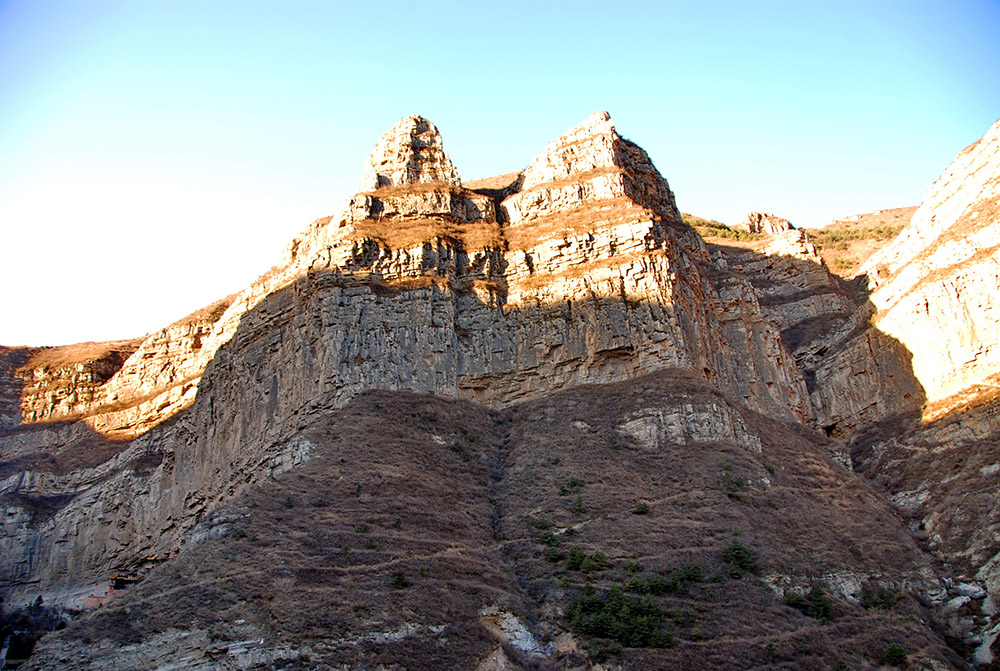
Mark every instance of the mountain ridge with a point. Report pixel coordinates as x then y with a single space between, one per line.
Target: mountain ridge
576 275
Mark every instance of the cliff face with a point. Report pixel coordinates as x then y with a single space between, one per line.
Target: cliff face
934 290
581 273
576 271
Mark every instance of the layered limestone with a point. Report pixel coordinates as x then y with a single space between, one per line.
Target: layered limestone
937 286
798 293
589 162
411 152
598 288
120 389
935 290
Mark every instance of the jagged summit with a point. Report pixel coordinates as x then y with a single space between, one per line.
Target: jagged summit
411 152
590 145
590 162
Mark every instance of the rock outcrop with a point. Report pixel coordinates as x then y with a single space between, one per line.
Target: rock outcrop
591 277
935 291
764 224
798 293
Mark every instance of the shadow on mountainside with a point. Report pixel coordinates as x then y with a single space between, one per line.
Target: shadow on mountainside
943 476
856 374
305 558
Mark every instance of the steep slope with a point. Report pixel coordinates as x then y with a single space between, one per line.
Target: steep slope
913 377
935 290
429 533
587 353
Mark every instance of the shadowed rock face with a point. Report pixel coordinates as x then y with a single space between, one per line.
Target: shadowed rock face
421 532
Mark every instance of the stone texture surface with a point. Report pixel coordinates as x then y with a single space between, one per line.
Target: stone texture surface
943 476
763 223
936 288
599 288
409 153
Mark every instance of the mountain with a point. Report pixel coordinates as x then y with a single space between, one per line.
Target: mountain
532 421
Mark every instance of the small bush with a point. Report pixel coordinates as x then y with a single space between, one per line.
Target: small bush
540 523
460 450
880 599
599 561
573 486
575 559
549 538
816 604
578 507
632 567
732 486
894 655
553 554
399 580
641 508
361 528
737 558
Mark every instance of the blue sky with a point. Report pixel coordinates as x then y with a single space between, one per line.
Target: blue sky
155 156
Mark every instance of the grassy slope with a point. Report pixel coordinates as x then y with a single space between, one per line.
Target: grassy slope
844 244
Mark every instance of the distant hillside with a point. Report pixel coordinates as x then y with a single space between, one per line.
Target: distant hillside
846 243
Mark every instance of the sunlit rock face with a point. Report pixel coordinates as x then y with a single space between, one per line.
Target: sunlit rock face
928 329
764 224
937 286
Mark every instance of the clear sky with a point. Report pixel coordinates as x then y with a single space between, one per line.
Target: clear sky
155 156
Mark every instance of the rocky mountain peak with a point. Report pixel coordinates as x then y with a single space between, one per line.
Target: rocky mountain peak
411 152
587 146
588 163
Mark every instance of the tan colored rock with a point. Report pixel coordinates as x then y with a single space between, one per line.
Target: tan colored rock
935 292
591 161
410 153
764 224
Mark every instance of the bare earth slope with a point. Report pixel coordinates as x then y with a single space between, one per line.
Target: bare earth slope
426 533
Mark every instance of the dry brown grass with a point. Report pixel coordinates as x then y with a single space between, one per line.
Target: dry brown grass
846 244
70 355
576 178
406 233
495 183
586 218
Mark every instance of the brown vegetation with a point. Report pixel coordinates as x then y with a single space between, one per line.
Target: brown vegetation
415 513
847 243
